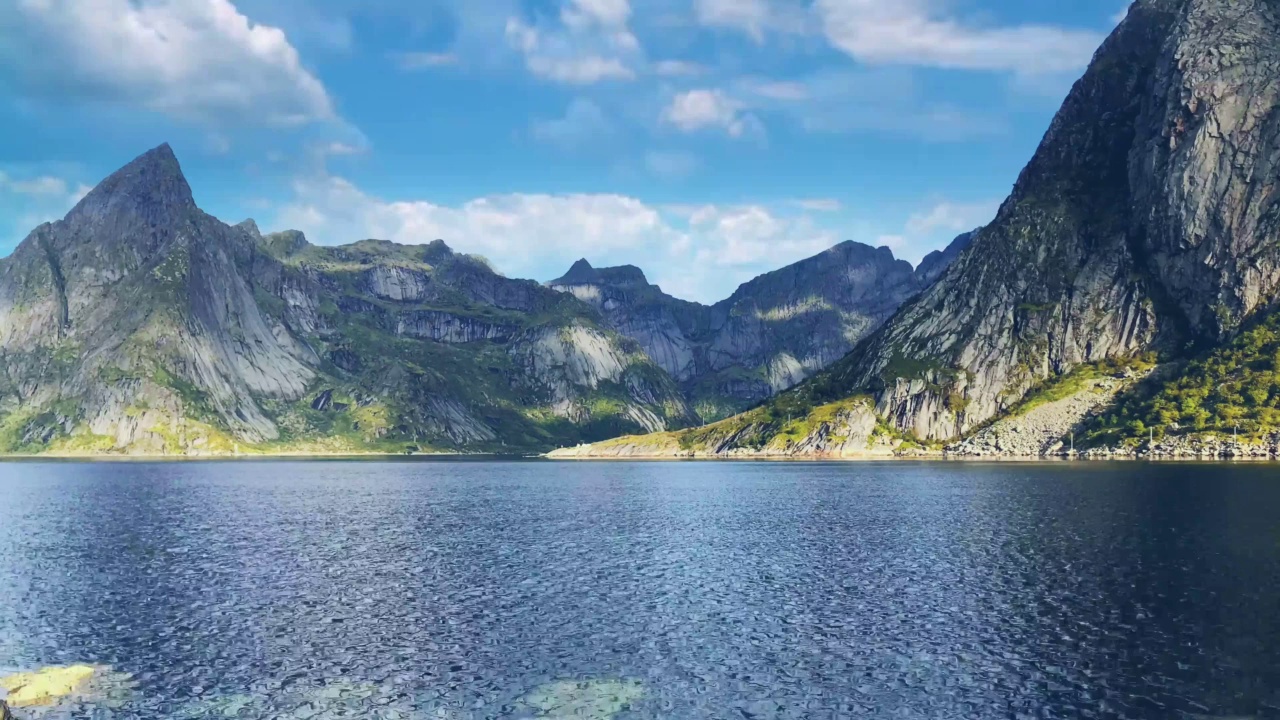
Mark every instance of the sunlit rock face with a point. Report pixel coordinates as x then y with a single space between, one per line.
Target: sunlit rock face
139 324
1146 219
772 333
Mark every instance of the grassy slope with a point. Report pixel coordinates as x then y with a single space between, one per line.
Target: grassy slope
1234 385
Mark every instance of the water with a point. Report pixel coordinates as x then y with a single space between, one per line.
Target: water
714 590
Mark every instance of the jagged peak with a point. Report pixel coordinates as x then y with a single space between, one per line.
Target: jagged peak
436 251
151 185
285 242
582 272
251 227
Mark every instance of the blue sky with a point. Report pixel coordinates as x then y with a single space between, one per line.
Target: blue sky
703 140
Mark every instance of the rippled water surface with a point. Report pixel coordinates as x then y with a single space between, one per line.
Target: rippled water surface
647 590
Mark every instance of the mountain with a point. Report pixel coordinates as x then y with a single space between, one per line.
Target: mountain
772 333
138 323
1147 222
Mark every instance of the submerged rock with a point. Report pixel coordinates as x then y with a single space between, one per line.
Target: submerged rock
584 699
44 686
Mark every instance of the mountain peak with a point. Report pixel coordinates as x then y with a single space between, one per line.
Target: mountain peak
151 186
251 227
580 272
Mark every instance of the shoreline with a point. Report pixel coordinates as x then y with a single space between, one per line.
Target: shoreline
569 455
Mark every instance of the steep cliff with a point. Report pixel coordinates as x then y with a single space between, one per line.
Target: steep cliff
772 333
1147 220
139 323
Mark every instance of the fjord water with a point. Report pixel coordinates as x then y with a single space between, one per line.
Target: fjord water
467 589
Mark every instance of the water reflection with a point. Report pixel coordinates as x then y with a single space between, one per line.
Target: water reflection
520 590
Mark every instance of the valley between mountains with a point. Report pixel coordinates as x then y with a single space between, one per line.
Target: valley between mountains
1120 302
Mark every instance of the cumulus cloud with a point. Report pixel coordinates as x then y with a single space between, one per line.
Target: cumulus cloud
198 60
678 68
701 253
424 60
41 186
583 123
913 32
590 43
935 226
701 109
26 201
951 217
755 18
778 89
819 204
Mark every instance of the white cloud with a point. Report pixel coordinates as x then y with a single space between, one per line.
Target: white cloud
26 202
755 18
701 109
340 148
883 100
591 43
423 60
749 16
679 68
42 186
583 123
951 217
609 13
934 227
819 204
700 253
198 60
752 234
778 89
912 32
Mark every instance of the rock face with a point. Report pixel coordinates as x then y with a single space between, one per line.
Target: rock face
1147 218
771 334
140 324
1147 221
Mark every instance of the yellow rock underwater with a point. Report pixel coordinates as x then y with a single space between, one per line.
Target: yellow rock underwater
44 686
584 699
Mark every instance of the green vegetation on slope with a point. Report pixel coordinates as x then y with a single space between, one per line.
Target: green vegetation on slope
1236 385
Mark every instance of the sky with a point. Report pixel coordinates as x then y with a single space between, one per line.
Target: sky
706 141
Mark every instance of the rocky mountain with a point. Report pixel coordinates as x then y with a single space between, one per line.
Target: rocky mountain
138 323
1148 220
772 333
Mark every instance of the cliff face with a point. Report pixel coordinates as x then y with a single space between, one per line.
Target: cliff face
1147 218
139 323
771 334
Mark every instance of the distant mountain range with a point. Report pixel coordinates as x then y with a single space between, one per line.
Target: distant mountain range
140 324
772 333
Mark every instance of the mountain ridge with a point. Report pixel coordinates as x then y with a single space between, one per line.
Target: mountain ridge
1145 223
772 332
138 323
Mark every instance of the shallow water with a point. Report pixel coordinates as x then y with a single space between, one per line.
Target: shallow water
708 590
